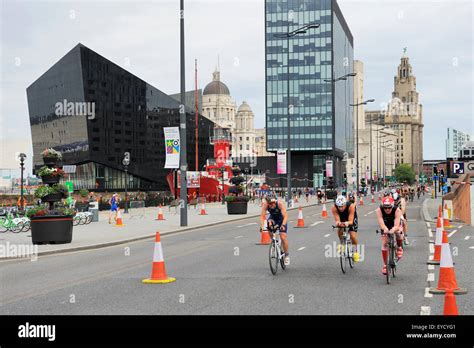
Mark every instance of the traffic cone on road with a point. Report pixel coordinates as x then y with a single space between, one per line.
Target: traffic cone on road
438 243
160 213
325 212
446 217
361 201
450 306
300 222
373 199
440 211
203 210
118 221
158 270
447 277
264 236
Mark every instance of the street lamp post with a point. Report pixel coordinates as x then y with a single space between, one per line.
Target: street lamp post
126 162
357 136
182 121
22 158
288 35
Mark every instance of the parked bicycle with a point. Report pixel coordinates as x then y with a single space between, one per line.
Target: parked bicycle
11 223
345 251
392 255
82 218
275 256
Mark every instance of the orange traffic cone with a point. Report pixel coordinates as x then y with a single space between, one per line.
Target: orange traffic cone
450 306
203 210
325 212
440 211
438 243
160 214
446 217
158 270
380 197
447 277
300 222
118 221
373 199
264 236
361 201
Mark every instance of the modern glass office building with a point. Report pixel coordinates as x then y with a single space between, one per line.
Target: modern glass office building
94 111
321 119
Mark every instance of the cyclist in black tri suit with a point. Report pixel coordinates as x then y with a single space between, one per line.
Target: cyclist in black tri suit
345 215
388 216
278 216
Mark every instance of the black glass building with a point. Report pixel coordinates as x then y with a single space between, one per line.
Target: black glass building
321 121
94 111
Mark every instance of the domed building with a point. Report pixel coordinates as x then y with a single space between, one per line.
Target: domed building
217 104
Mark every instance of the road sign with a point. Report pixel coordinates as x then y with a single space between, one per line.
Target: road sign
458 168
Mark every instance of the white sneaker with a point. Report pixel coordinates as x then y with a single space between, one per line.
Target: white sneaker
286 260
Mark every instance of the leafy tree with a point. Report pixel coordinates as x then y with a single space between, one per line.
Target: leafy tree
404 172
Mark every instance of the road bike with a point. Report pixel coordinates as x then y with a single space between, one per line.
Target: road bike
275 255
346 255
392 255
82 218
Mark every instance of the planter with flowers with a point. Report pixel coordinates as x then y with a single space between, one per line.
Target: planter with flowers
237 201
52 224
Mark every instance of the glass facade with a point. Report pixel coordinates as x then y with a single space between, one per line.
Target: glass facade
311 57
129 116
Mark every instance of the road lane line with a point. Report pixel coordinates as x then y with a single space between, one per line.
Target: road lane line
450 235
425 310
238 237
428 224
430 277
427 293
249 224
370 212
317 223
467 237
471 247
301 248
327 235
432 248
431 267
430 233
460 226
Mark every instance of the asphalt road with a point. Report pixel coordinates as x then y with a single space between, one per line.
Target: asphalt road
221 270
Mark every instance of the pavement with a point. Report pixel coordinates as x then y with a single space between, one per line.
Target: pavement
220 269
138 224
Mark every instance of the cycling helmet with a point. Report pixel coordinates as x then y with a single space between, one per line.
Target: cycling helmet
395 196
388 202
340 201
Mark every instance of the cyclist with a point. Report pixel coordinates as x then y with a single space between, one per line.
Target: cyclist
401 203
388 216
345 215
352 198
278 216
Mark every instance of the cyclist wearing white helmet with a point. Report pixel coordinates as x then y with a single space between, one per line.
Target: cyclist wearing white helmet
278 216
345 215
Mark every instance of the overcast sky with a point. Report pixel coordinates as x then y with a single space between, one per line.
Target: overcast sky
143 37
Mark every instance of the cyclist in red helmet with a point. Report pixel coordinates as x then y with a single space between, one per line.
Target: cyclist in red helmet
388 216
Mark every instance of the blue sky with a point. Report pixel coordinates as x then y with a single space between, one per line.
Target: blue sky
143 37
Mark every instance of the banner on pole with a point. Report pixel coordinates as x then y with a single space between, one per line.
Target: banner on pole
328 168
172 147
281 162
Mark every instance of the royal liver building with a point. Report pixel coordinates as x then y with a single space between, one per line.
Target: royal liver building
404 114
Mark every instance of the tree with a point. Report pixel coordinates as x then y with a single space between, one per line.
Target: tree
404 172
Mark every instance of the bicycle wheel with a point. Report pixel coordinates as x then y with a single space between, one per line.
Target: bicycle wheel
3 228
350 254
273 258
15 228
76 220
343 259
88 219
26 226
389 264
394 262
282 263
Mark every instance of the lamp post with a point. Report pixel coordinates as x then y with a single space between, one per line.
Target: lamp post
371 122
333 90
357 136
288 35
222 176
126 162
383 149
22 158
182 120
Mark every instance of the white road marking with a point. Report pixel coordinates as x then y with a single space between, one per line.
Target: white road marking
430 257
430 233
249 224
431 267
430 277
370 212
428 224
449 235
411 220
327 235
471 247
460 226
432 248
425 310
467 237
238 237
427 292
301 248
317 223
